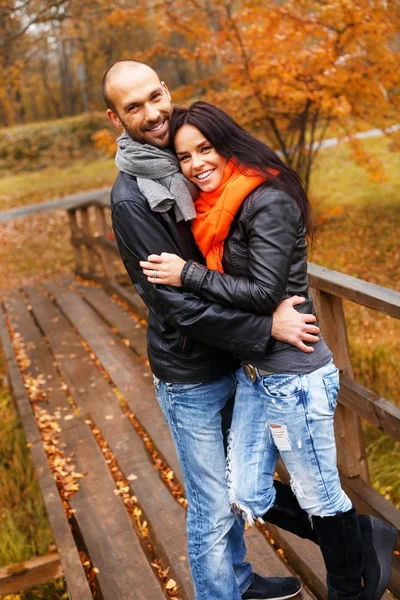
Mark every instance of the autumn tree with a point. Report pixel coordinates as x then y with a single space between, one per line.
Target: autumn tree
290 70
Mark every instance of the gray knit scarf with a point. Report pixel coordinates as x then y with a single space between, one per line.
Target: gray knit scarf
158 176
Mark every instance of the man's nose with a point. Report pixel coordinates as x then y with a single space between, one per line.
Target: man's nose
151 112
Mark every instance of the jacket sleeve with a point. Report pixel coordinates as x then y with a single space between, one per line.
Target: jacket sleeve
139 233
273 224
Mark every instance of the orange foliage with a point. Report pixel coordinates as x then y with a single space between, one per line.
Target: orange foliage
290 69
287 69
104 140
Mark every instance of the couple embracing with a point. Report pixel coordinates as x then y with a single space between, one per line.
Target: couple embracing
211 226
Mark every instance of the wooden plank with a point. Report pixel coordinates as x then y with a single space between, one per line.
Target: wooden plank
368 294
131 377
350 446
165 517
107 529
112 314
104 524
73 570
367 404
266 561
30 573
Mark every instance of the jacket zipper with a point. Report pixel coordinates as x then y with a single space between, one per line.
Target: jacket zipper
184 343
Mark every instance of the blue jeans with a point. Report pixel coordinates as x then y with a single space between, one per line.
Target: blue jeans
290 415
215 537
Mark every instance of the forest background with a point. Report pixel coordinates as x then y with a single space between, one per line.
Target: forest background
295 72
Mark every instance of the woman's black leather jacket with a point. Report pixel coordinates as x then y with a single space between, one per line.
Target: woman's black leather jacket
264 259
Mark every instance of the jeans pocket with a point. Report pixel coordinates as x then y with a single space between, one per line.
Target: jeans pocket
331 383
182 389
282 385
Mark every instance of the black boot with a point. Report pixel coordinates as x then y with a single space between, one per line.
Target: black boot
339 538
378 538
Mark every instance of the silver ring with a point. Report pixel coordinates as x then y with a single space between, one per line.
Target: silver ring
154 276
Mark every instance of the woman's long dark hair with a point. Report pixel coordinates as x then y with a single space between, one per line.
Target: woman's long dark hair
232 141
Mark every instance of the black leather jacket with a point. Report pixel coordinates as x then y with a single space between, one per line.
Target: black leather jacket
184 331
264 261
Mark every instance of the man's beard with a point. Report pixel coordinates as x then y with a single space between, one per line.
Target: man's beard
147 138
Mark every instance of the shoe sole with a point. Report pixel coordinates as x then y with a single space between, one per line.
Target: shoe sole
384 538
280 597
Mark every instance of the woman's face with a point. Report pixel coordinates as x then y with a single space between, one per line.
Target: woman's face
199 162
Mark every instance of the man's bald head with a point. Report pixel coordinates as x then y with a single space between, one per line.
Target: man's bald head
115 73
138 102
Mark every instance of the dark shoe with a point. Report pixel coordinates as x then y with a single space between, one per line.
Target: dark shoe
379 540
272 588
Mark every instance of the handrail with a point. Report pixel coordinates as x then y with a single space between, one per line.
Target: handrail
357 290
99 196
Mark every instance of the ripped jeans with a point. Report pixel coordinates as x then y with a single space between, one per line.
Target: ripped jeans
290 415
194 412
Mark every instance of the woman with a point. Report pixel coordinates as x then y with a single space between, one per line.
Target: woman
252 219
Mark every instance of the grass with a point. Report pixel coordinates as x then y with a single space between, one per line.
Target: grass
22 512
357 233
51 183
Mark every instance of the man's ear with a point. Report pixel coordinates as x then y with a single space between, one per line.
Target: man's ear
165 88
114 118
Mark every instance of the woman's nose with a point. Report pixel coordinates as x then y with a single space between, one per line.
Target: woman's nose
197 161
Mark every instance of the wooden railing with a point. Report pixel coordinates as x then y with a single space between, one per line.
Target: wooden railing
97 258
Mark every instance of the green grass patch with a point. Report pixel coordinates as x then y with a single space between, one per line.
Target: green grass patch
23 511
40 145
337 180
24 528
20 189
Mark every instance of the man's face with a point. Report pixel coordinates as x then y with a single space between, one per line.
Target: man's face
143 106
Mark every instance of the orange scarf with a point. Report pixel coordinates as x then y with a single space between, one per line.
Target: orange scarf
216 211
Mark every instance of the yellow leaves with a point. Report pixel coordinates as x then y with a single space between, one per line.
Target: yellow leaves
170 584
372 164
104 140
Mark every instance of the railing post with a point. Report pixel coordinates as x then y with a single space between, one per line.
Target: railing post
73 223
352 459
86 232
106 259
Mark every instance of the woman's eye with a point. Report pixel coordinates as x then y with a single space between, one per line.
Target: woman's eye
206 149
183 158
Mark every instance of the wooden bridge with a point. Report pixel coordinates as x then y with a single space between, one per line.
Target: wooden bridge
113 488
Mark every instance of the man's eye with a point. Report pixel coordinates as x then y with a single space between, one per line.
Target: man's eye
133 108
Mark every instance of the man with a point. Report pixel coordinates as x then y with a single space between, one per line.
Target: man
191 341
